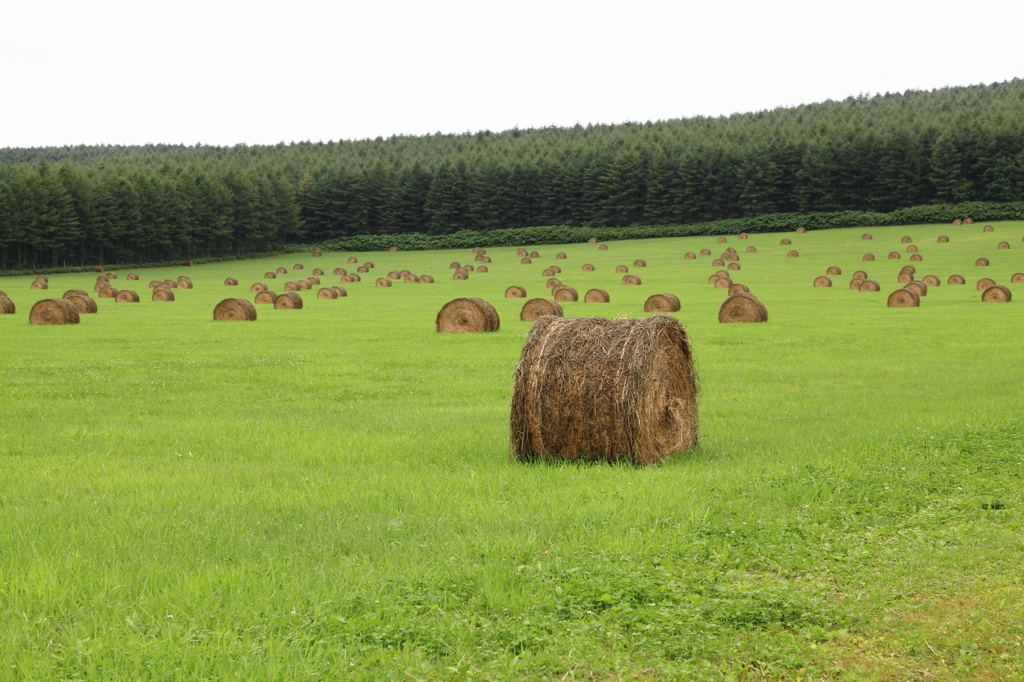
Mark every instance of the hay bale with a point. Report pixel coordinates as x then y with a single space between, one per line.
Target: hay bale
662 303
297 266
640 263
801 230
485 259
340 271
467 315
956 279
822 281
903 298
957 222
383 282
184 284
916 257
738 288
714 278
109 292
282 271
269 275
231 282
866 235
560 255
552 282
42 278
985 283
304 285
905 277
127 296
981 262
786 241
289 300
722 240
592 240
919 288
37 285
734 266
84 304
593 389
968 221
111 275
515 292
988 228
834 270
426 279
631 280
132 276
345 279
566 294
1017 278
619 269
996 294
869 285
460 275
7 306
893 255
318 272
340 291
868 256
257 287
751 249
535 308
793 254
741 235
548 272
394 274
723 283
931 280
690 255
718 262
911 249
411 279
534 254
162 294
1003 245
155 283
856 282
587 267
362 269
742 307
730 257
908 268
602 247
525 261
522 253
905 239
861 274
264 297
317 253
393 249
478 258
353 259
51 311
327 292
313 279
99 268
237 309
67 294
596 296
292 285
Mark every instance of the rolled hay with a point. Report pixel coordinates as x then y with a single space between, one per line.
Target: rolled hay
338 272
915 257
467 315
868 256
987 228
345 279
730 257
257 287
566 295
404 273
931 280
362 269
985 283
111 275
42 278
793 254
786 241
67 294
596 296
908 268
353 259
460 275
751 249
869 285
7 306
426 279
231 282
162 294
515 292
631 280
109 292
84 304
478 258
127 296
968 221
238 309
862 274
905 277
37 285
894 255
956 279
317 253
327 292
132 276
602 247
722 240
834 270
184 278
552 282
866 235
690 255
592 240
738 288
981 261
454 265
1017 278
289 300
957 222
996 294
801 230
1003 245
297 266
920 288
53 311
340 291
662 303
525 261
742 307
99 268
640 263
393 249
560 255
155 283
718 262
534 254
384 282
184 284
905 239
189 263
264 297
734 266
855 283
548 272
482 268
822 281
269 275
619 269
723 283
587 267
482 252
714 278
593 389
282 271
410 278
722 273
318 272
522 253
292 285
304 284
313 279
911 249
705 252
535 308
741 235
903 298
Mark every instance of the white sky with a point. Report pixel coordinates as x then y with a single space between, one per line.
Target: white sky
230 71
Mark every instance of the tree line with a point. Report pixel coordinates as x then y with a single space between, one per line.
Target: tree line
156 202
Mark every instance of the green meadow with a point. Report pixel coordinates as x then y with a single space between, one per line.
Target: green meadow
326 493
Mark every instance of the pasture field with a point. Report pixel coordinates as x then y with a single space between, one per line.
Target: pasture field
326 493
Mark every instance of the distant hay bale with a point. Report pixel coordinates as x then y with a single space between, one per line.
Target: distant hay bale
1017 278
957 222
587 267
956 279
292 285
189 263
317 271
345 279
905 239
184 278
109 292
84 304
903 298
282 271
269 275
591 389
714 278
722 240
733 266
730 249
801 230
981 261
340 291
822 281
313 279
340 271
535 308
619 269
467 315
485 259
111 275
866 235
482 252
893 255
522 253
127 296
162 294
943 239
690 255
132 276
548 272
7 306
515 292
289 300
362 269
404 273
426 279
742 307
353 259
985 283
1003 245
793 254
384 282
552 282
741 235
855 283
560 255
265 297
368 264
931 280
596 296
723 283
51 311
705 252
454 265
67 294
908 268
730 257
738 288
868 256
968 221
479 258
534 254
37 285
919 288
640 263
869 285
786 241
184 284
916 257
327 293
482 268
297 266
236 309
393 249
99 268
861 274
751 249
722 273
631 280
460 275
411 278
317 253
905 277
231 282
996 294
592 240
718 262
566 295
525 261
911 249
155 283
602 247
988 228
834 270
662 303
394 275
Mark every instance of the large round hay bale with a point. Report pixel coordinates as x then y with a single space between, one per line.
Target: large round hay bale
905 239
67 294
257 287
237 309
525 261
7 306
184 284
340 291
786 241
560 255
42 278
566 294
155 283
327 292
289 300
592 240
353 259
282 271
426 279
596 296
987 228
662 303
345 279
866 235
548 272
602 247
908 268
943 239
127 296
718 262
931 280
631 280
751 249
479 258
317 271
730 257
985 283
534 254
311 280
362 269
996 294
722 240
297 266
714 278
269 275
689 255
99 268
184 278
738 288
460 275
515 292
587 267
522 253
53 311
37 285
108 292
956 279
734 266
317 253
340 271
640 263
467 315
111 275
355 277
968 221
723 283
1003 245
800 230
905 277
1017 278
742 307
265 297
83 303
619 269
132 276
920 288
893 255
915 257
292 285
861 274
552 282
535 308
868 256
957 222
383 282
162 294
705 252
981 261
822 281
911 249
856 282
393 249
903 298
231 282
869 285
834 270
593 389
793 254
741 235
411 278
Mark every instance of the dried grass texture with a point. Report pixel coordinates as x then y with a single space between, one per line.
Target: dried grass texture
526 261
705 252
552 282
1003 245
786 241
289 300
393 249
340 291
856 282
723 283
313 279
522 253
987 228
460 275
7 306
566 295
905 277
353 259
161 294
37 285
718 262
1017 278
662 303
916 257
534 254
905 239
269 275
184 284
548 272
292 285
340 271
362 269
619 269
957 222
903 298
822 281
742 307
411 279
894 255
587 267
596 296
722 240
800 230
127 296
318 272
640 263
733 266
132 276
297 266
108 292
467 315
83 303
602 247
426 279
861 274
592 240
536 308
282 271
265 298
996 294
741 235
560 255
67 294
51 311
911 249
591 389
237 309
956 279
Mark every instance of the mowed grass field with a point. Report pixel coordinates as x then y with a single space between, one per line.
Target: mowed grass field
326 493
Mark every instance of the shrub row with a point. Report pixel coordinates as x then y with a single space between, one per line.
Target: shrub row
159 264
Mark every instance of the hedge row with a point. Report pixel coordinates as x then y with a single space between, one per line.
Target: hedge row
160 264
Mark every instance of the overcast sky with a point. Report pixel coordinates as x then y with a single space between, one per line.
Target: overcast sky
225 72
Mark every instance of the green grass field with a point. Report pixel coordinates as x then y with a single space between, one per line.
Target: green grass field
326 493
